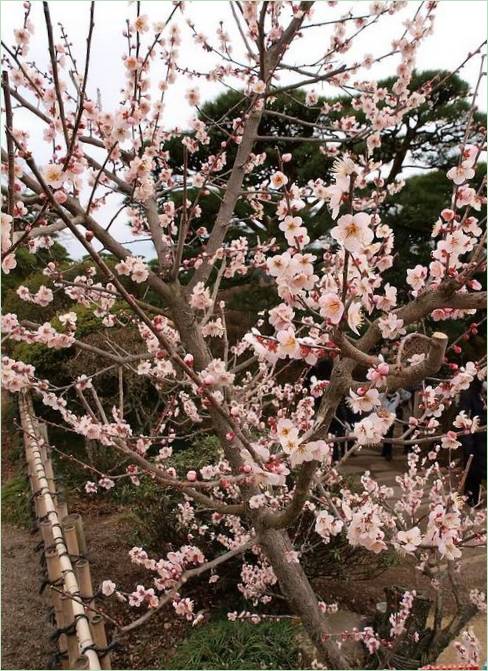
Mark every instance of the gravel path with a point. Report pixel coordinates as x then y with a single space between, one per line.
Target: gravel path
25 630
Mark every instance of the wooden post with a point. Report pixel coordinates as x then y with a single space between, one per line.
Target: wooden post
48 467
63 639
68 607
42 428
41 507
54 575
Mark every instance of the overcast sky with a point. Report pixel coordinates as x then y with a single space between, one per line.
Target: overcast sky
460 26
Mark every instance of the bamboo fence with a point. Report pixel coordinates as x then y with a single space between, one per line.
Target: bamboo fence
80 630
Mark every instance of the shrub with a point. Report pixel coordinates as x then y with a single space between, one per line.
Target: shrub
228 645
201 452
153 508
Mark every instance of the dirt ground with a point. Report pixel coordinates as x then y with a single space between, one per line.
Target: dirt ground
25 629
362 596
25 626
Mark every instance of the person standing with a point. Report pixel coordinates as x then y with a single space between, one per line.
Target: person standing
473 402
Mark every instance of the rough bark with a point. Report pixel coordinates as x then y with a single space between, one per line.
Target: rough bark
301 598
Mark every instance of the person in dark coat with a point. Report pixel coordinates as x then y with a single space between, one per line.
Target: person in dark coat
393 403
473 402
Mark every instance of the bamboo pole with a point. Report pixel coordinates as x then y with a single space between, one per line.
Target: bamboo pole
97 622
75 519
46 533
63 639
84 578
40 500
42 430
71 538
73 648
48 465
71 587
82 662
61 505
100 638
54 576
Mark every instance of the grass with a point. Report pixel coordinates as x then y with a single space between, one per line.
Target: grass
222 644
15 502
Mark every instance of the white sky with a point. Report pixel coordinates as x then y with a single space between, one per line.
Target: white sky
460 27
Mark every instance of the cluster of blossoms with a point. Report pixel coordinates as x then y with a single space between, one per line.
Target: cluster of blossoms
134 267
468 649
276 438
16 376
9 262
42 297
45 334
297 449
255 580
398 620
170 572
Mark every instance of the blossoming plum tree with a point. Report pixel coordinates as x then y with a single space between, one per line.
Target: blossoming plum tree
332 300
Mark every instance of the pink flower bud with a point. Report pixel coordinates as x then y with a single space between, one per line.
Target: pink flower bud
191 476
188 360
447 215
60 196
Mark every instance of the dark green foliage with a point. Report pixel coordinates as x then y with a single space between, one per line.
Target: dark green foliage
254 297
203 450
412 214
435 129
55 364
430 132
15 491
28 264
222 644
29 273
152 508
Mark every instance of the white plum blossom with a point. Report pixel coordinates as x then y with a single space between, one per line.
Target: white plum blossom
391 326
353 232
108 587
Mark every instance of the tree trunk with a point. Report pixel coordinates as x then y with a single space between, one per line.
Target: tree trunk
275 543
300 596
